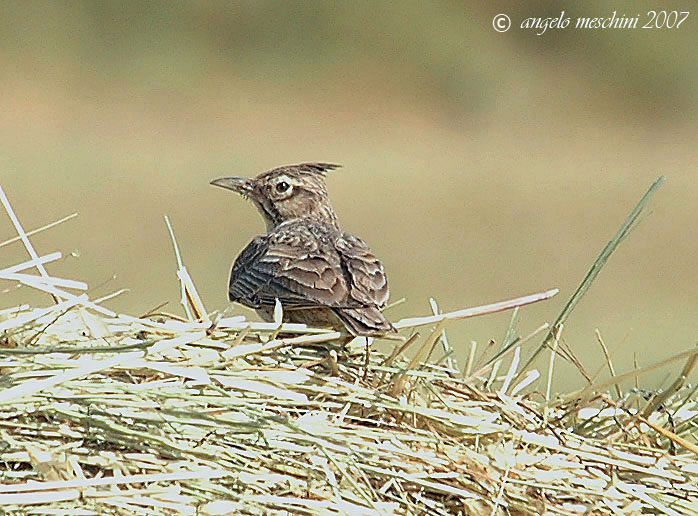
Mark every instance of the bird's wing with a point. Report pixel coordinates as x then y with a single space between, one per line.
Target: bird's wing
296 267
369 284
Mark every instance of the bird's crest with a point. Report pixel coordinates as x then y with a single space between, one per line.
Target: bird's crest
304 168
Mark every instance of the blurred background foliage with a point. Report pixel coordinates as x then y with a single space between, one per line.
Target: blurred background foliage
478 165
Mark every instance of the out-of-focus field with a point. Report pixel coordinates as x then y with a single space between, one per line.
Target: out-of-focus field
478 165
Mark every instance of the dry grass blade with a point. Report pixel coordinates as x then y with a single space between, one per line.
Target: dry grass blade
31 263
509 304
609 362
598 387
419 356
661 398
193 306
22 235
39 230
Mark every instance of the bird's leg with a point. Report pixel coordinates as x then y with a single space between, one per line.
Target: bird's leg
368 357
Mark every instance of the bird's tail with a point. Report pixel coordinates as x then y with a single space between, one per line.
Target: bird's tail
364 321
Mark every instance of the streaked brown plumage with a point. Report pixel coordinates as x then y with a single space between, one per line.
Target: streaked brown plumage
322 275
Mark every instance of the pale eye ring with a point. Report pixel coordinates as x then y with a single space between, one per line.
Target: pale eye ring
282 186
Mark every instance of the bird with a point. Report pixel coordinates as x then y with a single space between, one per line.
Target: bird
321 275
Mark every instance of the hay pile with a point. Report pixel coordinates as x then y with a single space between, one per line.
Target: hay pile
115 415
103 413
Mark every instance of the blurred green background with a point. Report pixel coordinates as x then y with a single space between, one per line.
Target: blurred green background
479 165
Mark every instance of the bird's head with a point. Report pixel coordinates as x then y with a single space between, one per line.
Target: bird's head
287 193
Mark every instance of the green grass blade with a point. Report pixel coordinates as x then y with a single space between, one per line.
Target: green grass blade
593 272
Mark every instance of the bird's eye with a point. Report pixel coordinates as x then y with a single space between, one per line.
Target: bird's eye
282 186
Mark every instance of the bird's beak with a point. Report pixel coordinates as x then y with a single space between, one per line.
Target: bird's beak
241 185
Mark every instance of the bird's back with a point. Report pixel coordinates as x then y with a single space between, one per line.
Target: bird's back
312 269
